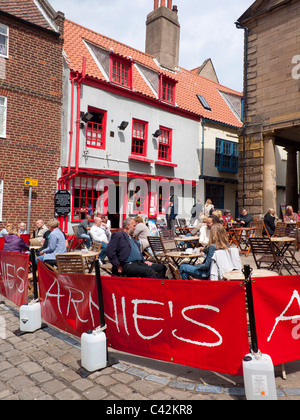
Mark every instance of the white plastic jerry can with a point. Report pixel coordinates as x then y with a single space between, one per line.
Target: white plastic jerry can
259 377
30 317
93 350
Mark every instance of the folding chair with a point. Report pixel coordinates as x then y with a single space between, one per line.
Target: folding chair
280 229
258 233
158 249
174 271
90 262
264 253
77 243
70 264
291 251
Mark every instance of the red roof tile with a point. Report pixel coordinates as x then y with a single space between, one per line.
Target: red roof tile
189 84
26 10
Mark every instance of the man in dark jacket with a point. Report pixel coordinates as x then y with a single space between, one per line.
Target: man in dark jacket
124 254
246 218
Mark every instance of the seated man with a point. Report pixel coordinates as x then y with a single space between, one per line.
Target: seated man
290 216
246 218
83 230
100 234
124 254
56 243
41 229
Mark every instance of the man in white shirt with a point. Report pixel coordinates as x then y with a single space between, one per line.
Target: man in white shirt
100 234
205 229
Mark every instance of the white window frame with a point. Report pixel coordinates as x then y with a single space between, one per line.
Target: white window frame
1 197
7 40
3 134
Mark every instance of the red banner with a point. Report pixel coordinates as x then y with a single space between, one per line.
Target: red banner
69 302
195 323
14 276
277 315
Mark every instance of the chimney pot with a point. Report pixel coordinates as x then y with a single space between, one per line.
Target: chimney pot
163 3
175 9
170 4
155 4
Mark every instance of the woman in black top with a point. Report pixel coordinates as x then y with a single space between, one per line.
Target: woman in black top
270 221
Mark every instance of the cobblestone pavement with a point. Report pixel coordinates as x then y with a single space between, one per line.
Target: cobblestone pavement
43 366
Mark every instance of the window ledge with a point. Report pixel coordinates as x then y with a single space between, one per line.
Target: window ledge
163 163
140 159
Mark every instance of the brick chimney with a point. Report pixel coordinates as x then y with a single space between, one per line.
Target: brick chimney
163 34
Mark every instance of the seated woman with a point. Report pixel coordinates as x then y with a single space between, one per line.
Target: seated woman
56 243
269 221
141 233
217 240
13 242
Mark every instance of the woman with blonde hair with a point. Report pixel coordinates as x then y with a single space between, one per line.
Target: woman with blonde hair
13 243
269 221
141 232
218 239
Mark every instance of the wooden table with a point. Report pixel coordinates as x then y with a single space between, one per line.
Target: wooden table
193 240
238 274
178 256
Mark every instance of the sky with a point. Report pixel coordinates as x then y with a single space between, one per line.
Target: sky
207 29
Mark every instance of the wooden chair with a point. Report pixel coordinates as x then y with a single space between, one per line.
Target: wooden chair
90 262
265 230
70 264
291 252
158 249
79 243
181 226
167 238
166 233
264 253
70 244
174 271
258 233
280 229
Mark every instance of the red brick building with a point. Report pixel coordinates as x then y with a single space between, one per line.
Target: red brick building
31 40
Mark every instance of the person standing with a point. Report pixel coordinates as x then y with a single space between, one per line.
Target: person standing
171 214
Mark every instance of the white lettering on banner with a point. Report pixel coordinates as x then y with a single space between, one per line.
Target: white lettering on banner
74 302
10 273
136 317
282 316
197 343
57 295
75 297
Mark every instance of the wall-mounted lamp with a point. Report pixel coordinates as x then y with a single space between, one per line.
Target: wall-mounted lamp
157 133
86 117
123 125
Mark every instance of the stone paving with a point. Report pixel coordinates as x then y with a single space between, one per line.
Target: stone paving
43 366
